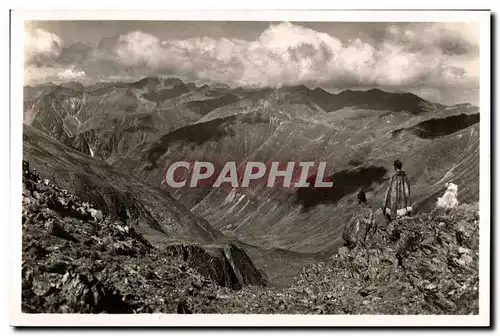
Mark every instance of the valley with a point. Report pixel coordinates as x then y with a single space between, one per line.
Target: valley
145 126
111 143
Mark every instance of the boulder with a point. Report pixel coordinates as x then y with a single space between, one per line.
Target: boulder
359 227
96 214
449 199
228 265
56 229
84 293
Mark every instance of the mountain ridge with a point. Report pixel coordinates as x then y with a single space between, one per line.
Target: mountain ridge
129 126
373 93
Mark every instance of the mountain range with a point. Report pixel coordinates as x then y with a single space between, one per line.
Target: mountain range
110 143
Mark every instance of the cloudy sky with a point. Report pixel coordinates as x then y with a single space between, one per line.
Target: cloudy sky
438 61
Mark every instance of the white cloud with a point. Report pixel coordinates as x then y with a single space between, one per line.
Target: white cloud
42 43
410 55
287 54
36 75
138 48
71 74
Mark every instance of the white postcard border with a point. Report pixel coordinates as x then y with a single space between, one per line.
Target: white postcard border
18 318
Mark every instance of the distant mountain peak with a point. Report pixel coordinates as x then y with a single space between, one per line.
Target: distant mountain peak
73 85
319 89
371 99
377 90
171 80
220 86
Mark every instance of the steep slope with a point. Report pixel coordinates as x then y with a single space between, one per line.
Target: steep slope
110 120
203 107
437 127
151 210
74 260
357 133
359 151
430 262
84 138
374 99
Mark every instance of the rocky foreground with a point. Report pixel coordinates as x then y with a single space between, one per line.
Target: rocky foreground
422 265
75 260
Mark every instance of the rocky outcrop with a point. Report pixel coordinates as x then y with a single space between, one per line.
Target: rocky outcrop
151 210
229 266
75 260
76 263
427 264
360 227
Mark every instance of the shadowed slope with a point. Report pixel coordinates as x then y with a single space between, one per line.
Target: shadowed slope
153 211
437 127
355 139
75 261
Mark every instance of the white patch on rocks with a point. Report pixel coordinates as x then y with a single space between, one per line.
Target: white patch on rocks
449 198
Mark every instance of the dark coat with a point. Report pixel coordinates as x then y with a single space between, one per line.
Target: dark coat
397 197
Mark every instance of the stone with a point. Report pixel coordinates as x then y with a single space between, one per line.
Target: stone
308 292
463 250
26 191
62 201
59 276
96 214
449 198
364 292
197 284
359 227
86 294
56 229
465 260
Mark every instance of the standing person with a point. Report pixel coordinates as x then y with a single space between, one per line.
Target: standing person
26 168
361 224
397 197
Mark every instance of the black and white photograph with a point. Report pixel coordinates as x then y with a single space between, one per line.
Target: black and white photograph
275 165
